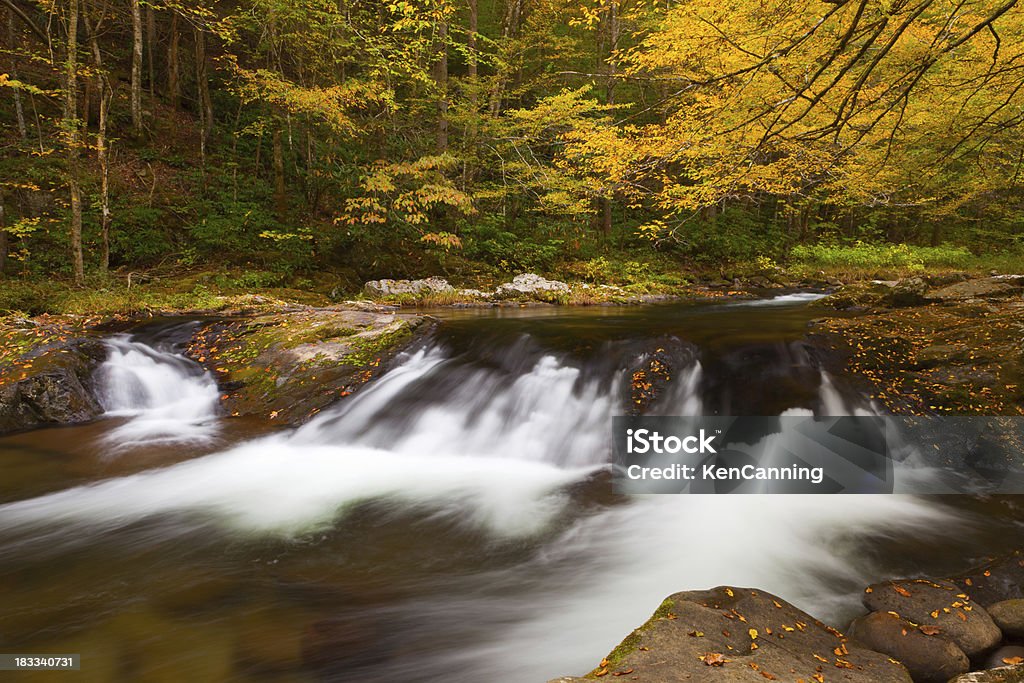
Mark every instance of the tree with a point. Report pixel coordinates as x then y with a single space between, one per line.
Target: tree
136 85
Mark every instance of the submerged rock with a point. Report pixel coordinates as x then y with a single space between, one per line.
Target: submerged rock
740 634
999 580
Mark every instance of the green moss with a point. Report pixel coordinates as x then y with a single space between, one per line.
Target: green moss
366 350
629 645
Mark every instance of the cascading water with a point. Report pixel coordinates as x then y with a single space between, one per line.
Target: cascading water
165 396
485 464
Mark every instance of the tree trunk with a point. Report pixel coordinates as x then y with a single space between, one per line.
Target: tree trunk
136 93
19 109
4 242
613 42
472 71
173 65
606 217
441 78
203 86
71 125
510 27
280 190
101 147
151 52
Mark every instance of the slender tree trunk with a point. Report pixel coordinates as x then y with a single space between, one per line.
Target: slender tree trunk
510 27
280 190
613 38
173 65
136 94
474 19
613 43
151 52
19 109
203 86
102 153
4 240
441 77
71 123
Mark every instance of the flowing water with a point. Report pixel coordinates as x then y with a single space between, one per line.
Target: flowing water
452 521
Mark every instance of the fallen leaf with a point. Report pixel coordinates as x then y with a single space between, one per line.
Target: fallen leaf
714 659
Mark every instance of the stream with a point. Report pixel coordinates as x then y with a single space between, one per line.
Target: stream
452 521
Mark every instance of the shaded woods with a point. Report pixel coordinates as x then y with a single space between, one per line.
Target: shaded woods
321 143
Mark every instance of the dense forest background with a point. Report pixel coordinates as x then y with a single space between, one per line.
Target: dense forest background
317 144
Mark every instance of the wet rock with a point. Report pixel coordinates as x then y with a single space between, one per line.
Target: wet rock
530 284
739 634
50 385
1008 615
1003 674
289 366
929 658
939 604
430 285
909 292
859 295
944 279
998 580
985 288
1002 656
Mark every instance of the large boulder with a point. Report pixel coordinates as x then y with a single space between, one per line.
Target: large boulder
740 634
47 378
908 292
983 288
528 284
288 366
929 657
939 605
415 288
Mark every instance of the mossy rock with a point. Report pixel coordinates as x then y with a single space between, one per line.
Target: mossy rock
289 366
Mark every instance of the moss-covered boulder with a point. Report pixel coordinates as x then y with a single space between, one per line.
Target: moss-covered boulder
739 634
288 366
46 367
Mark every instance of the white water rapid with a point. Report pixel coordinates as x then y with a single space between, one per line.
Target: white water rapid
497 452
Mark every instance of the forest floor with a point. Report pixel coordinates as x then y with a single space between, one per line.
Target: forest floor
616 280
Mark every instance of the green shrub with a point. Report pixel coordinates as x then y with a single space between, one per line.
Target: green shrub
861 255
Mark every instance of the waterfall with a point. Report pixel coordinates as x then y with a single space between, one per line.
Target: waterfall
164 396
